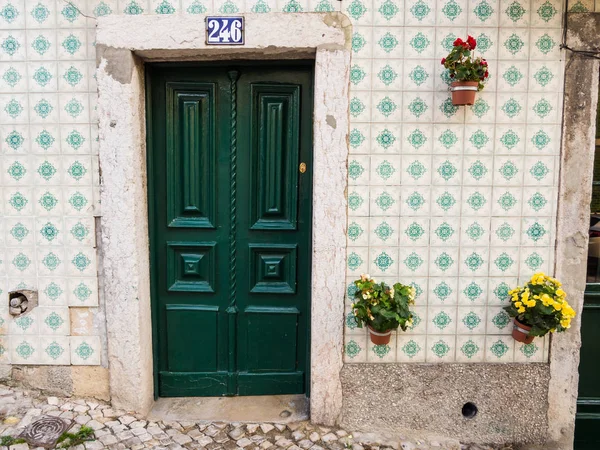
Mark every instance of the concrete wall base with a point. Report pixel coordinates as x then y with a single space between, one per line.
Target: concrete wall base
422 399
64 381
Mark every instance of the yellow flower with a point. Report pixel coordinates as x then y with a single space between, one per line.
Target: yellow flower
561 293
566 323
546 300
530 303
521 310
518 304
557 305
538 278
525 295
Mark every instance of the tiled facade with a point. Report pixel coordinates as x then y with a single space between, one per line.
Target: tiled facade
460 202
48 182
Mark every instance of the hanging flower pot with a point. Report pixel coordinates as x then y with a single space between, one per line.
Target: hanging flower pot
463 92
378 338
382 308
520 332
542 303
467 72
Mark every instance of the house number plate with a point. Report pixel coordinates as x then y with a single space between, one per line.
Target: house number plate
225 30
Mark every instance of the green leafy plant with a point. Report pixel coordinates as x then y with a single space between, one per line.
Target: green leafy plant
463 66
7 441
85 434
382 307
542 305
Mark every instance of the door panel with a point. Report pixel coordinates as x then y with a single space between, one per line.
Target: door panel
191 165
274 121
230 222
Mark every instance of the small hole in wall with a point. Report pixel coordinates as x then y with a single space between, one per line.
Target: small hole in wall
469 410
21 302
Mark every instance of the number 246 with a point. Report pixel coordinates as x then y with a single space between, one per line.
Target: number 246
224 31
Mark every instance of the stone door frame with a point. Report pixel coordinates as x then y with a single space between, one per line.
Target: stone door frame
123 44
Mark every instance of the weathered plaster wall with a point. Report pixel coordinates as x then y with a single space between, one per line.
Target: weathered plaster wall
582 76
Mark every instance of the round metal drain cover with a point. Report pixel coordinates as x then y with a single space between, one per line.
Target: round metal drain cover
45 432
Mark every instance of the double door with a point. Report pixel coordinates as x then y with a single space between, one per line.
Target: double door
229 164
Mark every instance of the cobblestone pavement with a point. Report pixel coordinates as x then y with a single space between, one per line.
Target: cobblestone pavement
115 430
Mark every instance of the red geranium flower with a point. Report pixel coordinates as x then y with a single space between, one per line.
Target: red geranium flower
443 60
486 74
458 42
472 42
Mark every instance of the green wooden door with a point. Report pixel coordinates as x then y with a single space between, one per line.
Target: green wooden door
587 421
230 222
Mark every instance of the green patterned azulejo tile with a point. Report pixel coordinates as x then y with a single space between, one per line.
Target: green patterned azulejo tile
483 10
444 231
413 261
469 349
384 231
543 76
356 9
385 201
475 231
471 320
443 291
545 44
9 13
451 10
504 262
419 42
354 261
448 138
354 231
355 169
501 320
473 291
440 348
358 42
388 10
54 350
442 320
514 44
383 261
411 349
479 139
352 349
546 11
537 201
444 261
386 106
164 7
414 231
49 232
499 348
84 351
420 10
381 350
515 11
542 108
19 231
388 42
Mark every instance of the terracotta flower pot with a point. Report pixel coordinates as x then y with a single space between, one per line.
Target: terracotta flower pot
520 332
463 92
378 338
